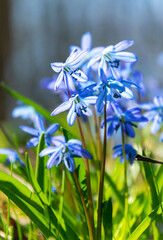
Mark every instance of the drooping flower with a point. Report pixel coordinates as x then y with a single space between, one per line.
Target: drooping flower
65 152
110 89
112 55
130 152
78 105
12 156
36 132
69 70
125 119
154 114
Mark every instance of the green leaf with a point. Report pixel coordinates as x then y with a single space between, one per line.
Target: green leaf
145 223
19 189
38 218
115 191
41 169
107 218
34 182
152 184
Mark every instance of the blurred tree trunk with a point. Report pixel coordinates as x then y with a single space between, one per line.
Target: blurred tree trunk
4 47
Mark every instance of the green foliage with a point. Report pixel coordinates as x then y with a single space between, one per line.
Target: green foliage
107 218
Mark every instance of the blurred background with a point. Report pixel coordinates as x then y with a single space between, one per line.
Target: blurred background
36 33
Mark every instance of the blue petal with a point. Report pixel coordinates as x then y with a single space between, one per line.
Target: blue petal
74 141
90 100
71 115
33 142
86 41
146 106
77 150
58 140
52 129
117 85
128 129
128 94
39 123
57 66
158 101
156 125
30 130
125 56
123 45
103 67
7 151
100 101
47 151
75 62
117 146
73 47
115 73
61 108
117 153
80 76
133 111
53 159
69 163
113 128
93 61
59 80
69 82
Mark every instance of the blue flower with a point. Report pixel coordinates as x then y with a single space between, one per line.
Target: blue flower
129 151
154 113
36 132
112 55
65 151
69 70
24 111
86 43
110 89
78 105
124 119
12 156
134 76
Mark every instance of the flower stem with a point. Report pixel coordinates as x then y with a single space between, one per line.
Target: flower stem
126 187
101 187
62 192
90 202
91 235
8 210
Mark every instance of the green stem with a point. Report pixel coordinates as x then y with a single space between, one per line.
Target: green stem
90 201
50 186
62 192
8 209
126 187
101 187
91 235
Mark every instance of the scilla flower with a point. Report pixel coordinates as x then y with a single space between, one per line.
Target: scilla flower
78 105
112 55
36 132
65 152
12 156
69 71
110 89
154 113
130 152
124 119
